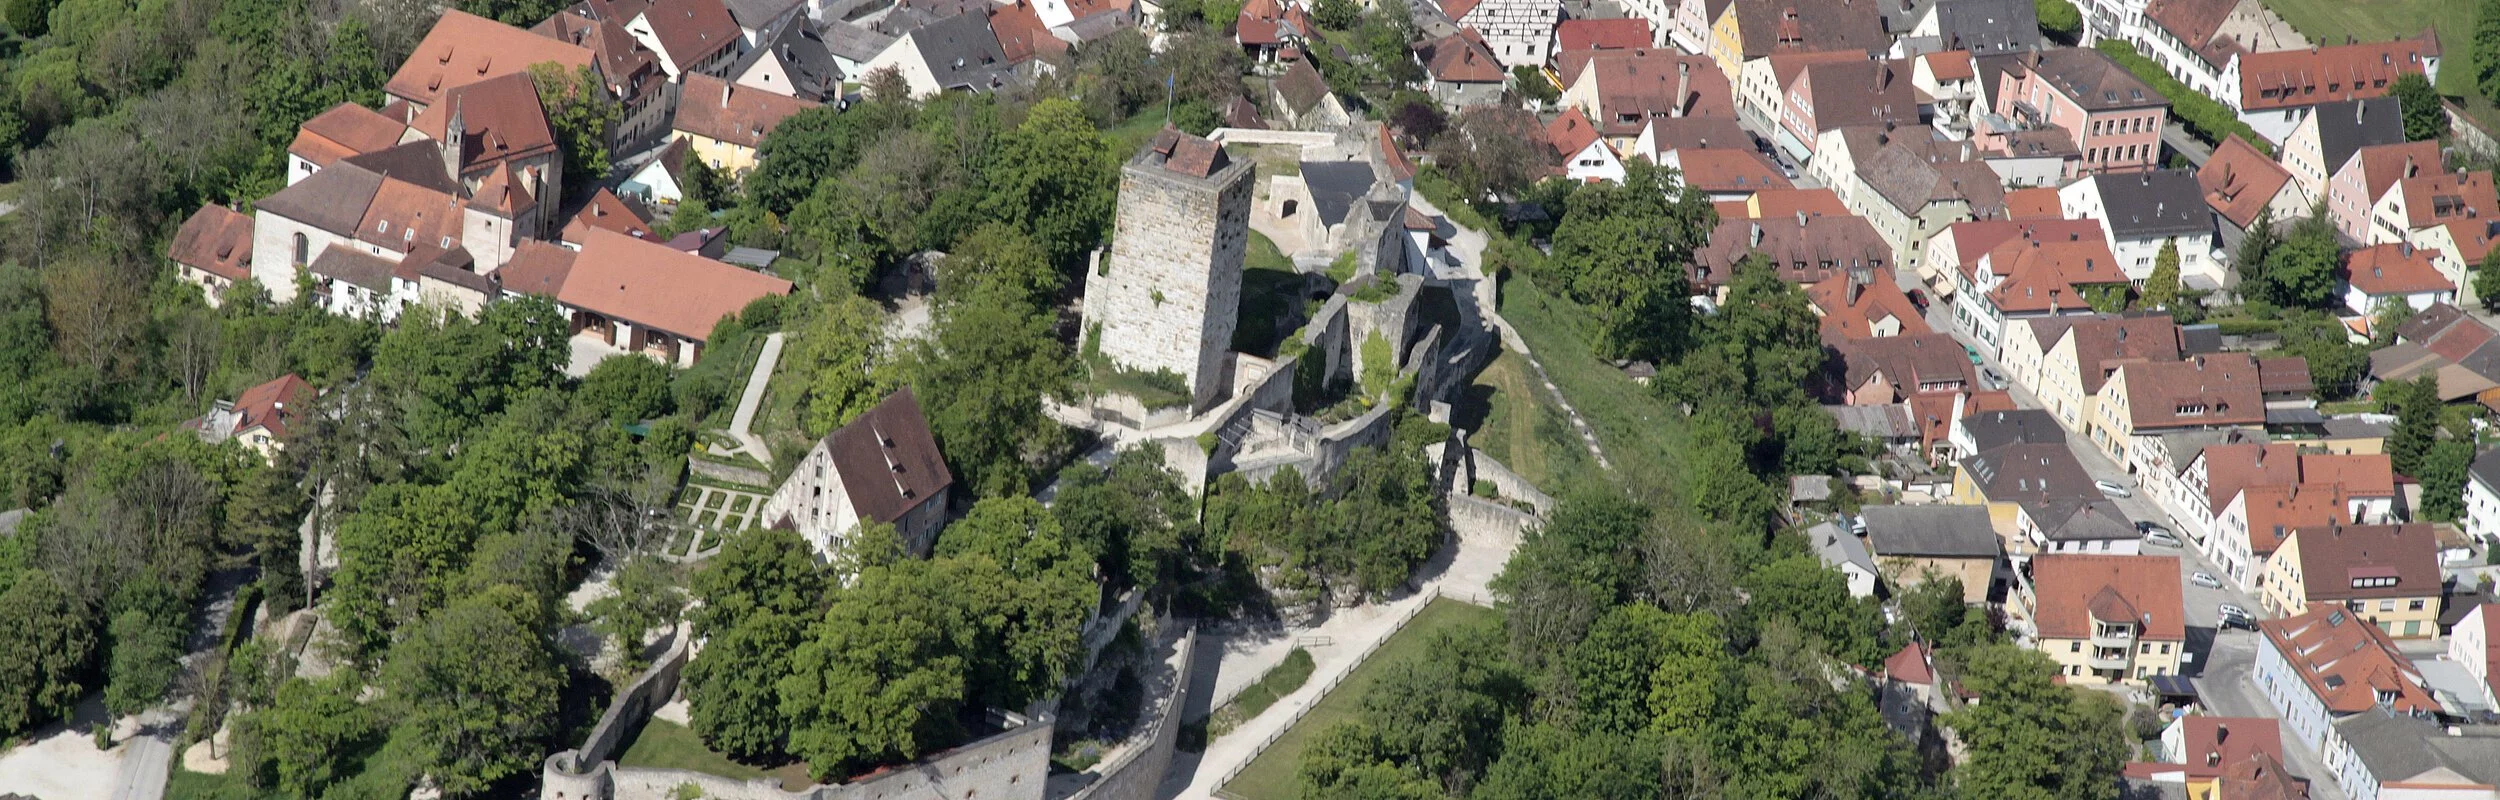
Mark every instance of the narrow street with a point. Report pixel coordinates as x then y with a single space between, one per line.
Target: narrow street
2228 689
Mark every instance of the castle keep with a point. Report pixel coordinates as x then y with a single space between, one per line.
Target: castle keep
1167 295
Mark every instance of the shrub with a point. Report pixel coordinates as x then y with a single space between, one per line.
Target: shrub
2208 119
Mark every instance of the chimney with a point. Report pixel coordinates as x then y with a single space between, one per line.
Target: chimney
1859 277
2359 110
1683 87
1801 218
1757 235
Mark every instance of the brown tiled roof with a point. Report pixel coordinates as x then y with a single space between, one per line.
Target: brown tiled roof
1570 133
1641 84
716 109
2382 165
1021 34
2392 268
1907 361
1954 65
404 215
2348 662
2275 511
1602 34
2288 78
1851 314
1729 169
344 263
2046 276
216 240
1265 23
2232 467
1301 87
2072 589
888 460
2439 197
2196 22
536 268
1787 67
503 193
2284 374
606 211
692 30
1912 172
2260 777
2038 202
267 405
1804 251
500 118
2221 389
2214 745
2239 181
1676 133
419 161
2334 557
2103 341
1188 154
2356 475
626 65
345 130
1462 57
464 48
2090 78
1975 239
333 199
1860 92
1784 203
1769 26
651 285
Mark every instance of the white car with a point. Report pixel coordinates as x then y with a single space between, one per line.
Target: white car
2113 489
2161 538
2232 616
2205 579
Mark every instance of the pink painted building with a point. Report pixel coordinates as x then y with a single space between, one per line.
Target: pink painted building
2366 176
1857 91
2113 119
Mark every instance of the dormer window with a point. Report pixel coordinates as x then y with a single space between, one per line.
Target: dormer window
382 226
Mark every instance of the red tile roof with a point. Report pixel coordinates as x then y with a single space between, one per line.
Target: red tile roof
1910 665
1021 33
2439 197
464 48
345 130
2073 590
1570 133
404 215
1953 65
1462 57
648 284
692 30
2348 663
1849 314
500 119
2394 269
271 405
536 268
606 211
2343 562
1603 34
2239 181
2289 78
2232 467
2276 511
216 240
2038 202
2213 745
2382 165
1784 203
1728 170
715 109
2200 391
2042 276
888 460
1976 239
1634 86
1265 23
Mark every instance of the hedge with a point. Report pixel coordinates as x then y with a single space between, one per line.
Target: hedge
2208 119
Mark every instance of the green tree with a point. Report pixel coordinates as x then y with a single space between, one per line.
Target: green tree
2301 271
998 261
1688 688
1542 761
806 148
1132 517
2250 260
2443 479
881 675
1619 251
1530 82
645 596
758 571
1441 715
2161 289
2487 48
2487 282
1026 623
580 113
1794 735
2059 19
314 734
473 691
2425 116
981 379
2416 406
2335 363
841 356
1802 590
733 696
146 655
1056 177
1568 571
628 389
45 654
1337 15
517 13
29 18
2031 737
1933 611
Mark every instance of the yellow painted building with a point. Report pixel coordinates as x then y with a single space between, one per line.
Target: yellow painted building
2387 574
1727 46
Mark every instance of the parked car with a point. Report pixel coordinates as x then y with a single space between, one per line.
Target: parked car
2162 538
2232 616
2112 489
2205 579
1973 352
1989 378
1918 297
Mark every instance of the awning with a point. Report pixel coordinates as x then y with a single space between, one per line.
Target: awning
2294 415
2169 686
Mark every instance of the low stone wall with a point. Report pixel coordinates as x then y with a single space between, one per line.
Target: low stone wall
1504 481
1488 522
582 772
1136 774
724 472
2469 134
1264 136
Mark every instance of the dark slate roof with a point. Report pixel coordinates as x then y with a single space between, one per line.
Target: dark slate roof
2429 323
853 41
1335 185
888 460
1949 531
2031 471
2201 338
2093 79
804 56
2075 519
1988 26
419 162
755 13
2155 203
962 52
2399 747
2346 126
1838 547
340 262
1990 430
333 199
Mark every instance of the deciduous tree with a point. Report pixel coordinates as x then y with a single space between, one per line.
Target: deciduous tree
2032 737
473 691
2425 115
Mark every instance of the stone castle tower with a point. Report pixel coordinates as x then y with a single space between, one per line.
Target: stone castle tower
1168 295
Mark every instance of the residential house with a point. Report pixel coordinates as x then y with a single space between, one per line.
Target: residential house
1022 35
1805 249
1662 135
1749 29
791 59
1844 551
2106 619
882 467
2475 644
1585 156
2200 42
1968 26
1950 82
2065 360
2482 499
1982 431
2275 90
463 48
1864 303
2027 278
1910 186
1831 94
956 54
1460 72
725 124
2367 175
2242 185
853 45
640 296
1894 369
2144 211
213 250
2002 479
1519 32
2324 140
2394 273
1726 173
1627 33
2384 754
493 129
1623 90
375 231
605 211
1266 28
2149 397
2457 247
2324 666
690 36
1783 203
2077 525
2259 494
757 18
2166 458
2387 575
1762 91
2444 342
661 181
2201 752
1076 21
630 71
258 418
1950 253
345 131
1301 100
1688 24
1916 544
2113 119
2431 199
1936 415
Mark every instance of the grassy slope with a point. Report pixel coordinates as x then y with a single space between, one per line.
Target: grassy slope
1640 435
1521 427
1271 775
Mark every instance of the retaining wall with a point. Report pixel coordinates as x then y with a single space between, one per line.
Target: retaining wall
725 472
1138 773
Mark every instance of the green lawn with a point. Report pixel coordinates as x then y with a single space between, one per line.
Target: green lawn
667 745
1271 775
1517 423
1640 434
184 784
1271 299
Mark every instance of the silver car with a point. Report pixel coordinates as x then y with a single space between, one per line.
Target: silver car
2112 489
2205 579
2161 538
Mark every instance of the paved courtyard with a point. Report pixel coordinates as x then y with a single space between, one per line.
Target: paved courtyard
720 509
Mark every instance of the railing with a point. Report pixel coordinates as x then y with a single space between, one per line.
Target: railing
1235 771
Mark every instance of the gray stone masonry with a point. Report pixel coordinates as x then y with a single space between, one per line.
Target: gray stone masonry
1169 294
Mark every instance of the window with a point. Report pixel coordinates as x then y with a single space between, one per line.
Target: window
2386 606
2415 605
2074 647
2165 648
303 248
